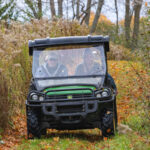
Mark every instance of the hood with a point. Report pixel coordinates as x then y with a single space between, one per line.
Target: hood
42 84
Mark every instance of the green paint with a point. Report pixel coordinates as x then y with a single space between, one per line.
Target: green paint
70 91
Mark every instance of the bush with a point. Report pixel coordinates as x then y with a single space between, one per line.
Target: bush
16 63
108 28
143 54
119 52
4 101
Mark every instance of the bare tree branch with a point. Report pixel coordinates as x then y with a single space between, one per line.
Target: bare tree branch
88 8
52 8
97 15
117 24
30 5
85 12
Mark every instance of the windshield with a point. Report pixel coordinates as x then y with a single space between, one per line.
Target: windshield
69 65
69 61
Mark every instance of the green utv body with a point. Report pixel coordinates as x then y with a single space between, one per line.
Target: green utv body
70 88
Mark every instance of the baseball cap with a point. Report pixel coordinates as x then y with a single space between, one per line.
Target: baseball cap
52 55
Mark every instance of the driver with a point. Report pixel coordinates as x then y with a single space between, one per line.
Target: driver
52 68
88 67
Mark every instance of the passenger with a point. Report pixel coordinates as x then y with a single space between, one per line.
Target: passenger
89 66
52 68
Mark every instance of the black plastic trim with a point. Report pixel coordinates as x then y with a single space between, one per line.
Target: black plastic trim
100 100
69 40
59 116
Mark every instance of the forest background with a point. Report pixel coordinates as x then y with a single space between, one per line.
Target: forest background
129 64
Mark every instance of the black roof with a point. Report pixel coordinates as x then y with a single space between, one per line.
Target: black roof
46 42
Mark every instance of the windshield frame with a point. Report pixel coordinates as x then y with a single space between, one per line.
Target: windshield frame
65 77
74 76
97 85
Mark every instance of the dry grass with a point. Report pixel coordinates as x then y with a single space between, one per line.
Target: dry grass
119 52
4 101
15 62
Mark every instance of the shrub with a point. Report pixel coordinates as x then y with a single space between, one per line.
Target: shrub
16 63
119 52
4 101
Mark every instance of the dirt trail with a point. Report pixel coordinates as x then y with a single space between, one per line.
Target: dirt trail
123 75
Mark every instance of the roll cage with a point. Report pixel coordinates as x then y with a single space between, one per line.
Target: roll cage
73 40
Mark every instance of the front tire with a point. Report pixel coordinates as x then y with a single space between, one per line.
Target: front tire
43 132
108 124
33 127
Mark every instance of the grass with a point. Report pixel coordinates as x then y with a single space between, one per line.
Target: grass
15 66
127 98
84 140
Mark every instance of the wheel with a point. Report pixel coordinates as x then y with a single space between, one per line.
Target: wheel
33 128
115 114
43 132
108 123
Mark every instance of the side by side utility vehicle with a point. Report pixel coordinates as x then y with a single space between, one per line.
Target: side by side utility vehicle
70 86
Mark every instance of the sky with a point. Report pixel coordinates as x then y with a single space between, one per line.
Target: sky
108 9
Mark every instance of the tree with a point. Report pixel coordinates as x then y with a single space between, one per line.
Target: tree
88 11
117 25
128 17
78 10
137 4
137 9
40 8
73 9
7 10
34 9
52 8
97 15
60 8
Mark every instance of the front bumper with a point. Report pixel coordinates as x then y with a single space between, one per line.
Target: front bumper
71 112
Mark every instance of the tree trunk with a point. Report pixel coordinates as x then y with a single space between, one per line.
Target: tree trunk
127 22
88 10
97 15
7 10
137 9
31 6
52 7
39 9
73 9
117 25
128 18
60 8
78 10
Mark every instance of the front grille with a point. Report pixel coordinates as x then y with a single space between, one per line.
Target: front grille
70 109
67 96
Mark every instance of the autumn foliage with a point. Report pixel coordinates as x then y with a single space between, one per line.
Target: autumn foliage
131 77
129 102
102 18
15 64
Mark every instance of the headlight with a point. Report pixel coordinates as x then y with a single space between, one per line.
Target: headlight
105 94
98 95
34 96
41 98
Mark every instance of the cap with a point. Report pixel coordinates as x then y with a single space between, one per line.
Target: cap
87 51
52 55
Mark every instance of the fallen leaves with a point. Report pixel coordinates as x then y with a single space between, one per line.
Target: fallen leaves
105 138
128 91
12 137
56 139
108 130
47 147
